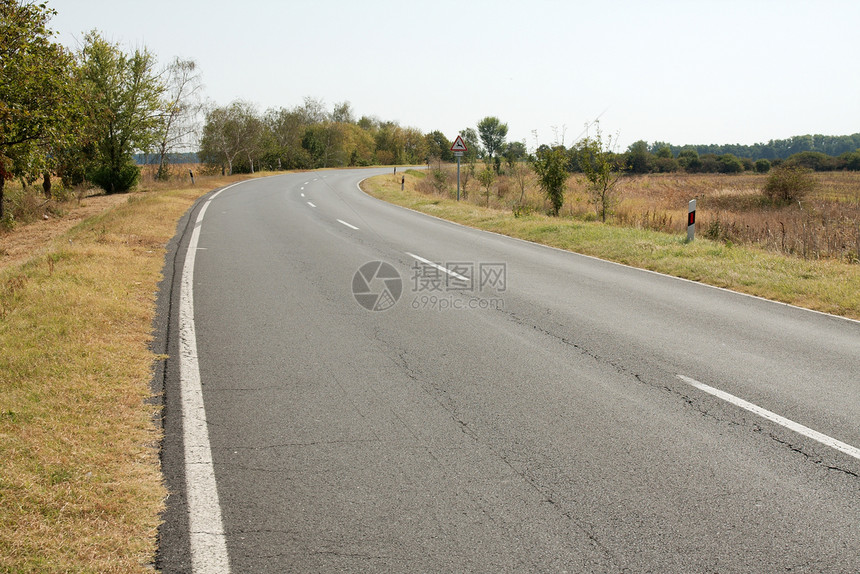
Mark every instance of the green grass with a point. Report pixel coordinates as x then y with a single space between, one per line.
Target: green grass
825 285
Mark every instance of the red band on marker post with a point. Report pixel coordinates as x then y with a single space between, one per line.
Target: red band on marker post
691 220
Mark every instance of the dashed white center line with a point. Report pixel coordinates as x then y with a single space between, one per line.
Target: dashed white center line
439 267
775 418
347 224
303 195
311 204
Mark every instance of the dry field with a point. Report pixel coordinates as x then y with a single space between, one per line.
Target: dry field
730 208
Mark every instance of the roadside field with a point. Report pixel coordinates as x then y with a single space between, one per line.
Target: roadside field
80 482
827 285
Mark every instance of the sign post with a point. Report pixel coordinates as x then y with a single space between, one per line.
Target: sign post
458 148
691 220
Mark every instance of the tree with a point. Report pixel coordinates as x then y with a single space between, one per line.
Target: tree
181 107
762 166
550 165
851 160
664 152
730 164
493 133
342 113
601 171
639 159
514 152
228 132
39 102
487 177
813 160
689 160
519 172
286 128
473 145
123 99
789 182
438 146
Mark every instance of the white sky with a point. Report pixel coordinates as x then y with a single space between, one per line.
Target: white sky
681 71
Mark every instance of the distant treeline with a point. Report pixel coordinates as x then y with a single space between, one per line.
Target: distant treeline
774 149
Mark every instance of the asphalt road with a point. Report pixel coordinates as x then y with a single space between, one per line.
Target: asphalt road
530 411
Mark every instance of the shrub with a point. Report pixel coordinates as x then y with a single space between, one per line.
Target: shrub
762 166
788 183
728 163
116 179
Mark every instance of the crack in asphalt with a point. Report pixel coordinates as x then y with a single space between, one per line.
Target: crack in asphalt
696 404
543 493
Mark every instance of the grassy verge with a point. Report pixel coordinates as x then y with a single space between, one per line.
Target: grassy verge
824 285
80 484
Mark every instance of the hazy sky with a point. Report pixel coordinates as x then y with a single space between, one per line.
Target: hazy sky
681 71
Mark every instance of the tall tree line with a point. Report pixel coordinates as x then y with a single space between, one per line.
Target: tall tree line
238 138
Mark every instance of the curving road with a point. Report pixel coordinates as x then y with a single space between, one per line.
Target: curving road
506 408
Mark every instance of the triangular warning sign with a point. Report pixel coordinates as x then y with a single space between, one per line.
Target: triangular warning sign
459 144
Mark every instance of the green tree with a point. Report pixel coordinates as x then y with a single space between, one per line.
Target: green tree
438 146
602 172
123 99
789 182
550 165
492 133
730 164
762 166
514 152
813 160
851 160
473 145
689 160
285 129
664 152
639 159
39 101
487 177
228 133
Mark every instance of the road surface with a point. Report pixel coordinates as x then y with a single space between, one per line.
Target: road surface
382 391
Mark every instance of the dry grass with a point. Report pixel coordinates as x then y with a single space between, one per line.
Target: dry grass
831 286
730 208
80 483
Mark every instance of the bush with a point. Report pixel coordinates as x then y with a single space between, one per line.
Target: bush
788 183
813 160
728 163
116 180
762 166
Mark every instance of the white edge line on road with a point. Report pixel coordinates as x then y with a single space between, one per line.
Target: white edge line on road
725 289
351 226
207 542
311 204
439 267
773 417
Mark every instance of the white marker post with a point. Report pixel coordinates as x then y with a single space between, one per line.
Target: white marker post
691 220
458 148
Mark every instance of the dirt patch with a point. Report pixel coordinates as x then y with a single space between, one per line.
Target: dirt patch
29 240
